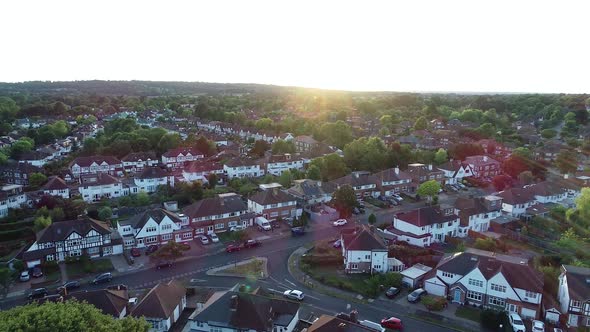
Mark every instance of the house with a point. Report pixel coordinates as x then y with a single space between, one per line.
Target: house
515 201
272 203
305 143
363 251
547 192
412 277
484 167
277 164
489 280
156 226
393 181
423 226
330 324
363 183
218 214
96 164
94 187
422 173
162 305
112 302
309 192
137 161
476 214
200 171
18 173
151 178
573 295
56 186
455 171
241 311
73 238
242 168
175 158
35 158
11 197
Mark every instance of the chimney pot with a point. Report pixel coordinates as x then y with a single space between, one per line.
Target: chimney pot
396 170
430 167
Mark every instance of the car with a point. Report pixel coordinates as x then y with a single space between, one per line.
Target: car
538 326
163 265
397 197
416 295
372 325
516 322
151 249
252 244
356 211
393 202
204 240
297 231
294 294
337 244
392 323
237 228
392 292
102 278
68 286
135 252
38 293
555 329
37 272
340 222
24 276
213 237
232 247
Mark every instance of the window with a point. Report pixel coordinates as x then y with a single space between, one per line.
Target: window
367 256
166 227
274 214
531 295
498 288
215 329
285 212
354 266
166 237
232 223
497 301
377 267
474 296
151 239
187 235
575 304
475 282
151 229
219 226
49 258
447 274
107 250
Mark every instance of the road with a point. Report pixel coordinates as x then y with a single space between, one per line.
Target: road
277 252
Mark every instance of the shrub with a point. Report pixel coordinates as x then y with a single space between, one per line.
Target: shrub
434 303
490 319
49 267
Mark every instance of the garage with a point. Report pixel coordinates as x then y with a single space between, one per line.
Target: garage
528 313
435 286
412 277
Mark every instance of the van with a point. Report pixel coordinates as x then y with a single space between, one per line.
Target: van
263 223
372 325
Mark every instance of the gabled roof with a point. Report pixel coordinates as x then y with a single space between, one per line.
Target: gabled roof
333 324
157 215
110 302
311 188
139 156
224 203
306 139
153 173
271 196
392 174
55 183
184 151
425 216
160 301
238 162
99 179
281 158
199 166
453 166
357 179
362 239
59 231
578 282
514 196
472 206
481 160
87 161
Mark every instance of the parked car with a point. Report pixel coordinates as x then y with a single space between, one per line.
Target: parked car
372 325
204 240
397 197
297 231
416 295
294 294
213 237
38 293
538 326
68 286
252 244
151 249
24 276
356 211
232 247
392 292
135 252
337 244
516 322
392 323
237 228
163 265
340 222
37 272
102 278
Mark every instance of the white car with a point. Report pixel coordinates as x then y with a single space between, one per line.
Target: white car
213 237
294 294
203 239
397 197
538 326
24 276
516 322
340 222
237 228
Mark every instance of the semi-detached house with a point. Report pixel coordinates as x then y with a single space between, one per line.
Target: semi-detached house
218 214
11 197
137 161
455 171
363 183
476 213
484 167
56 186
424 226
151 178
94 187
96 164
242 168
574 295
156 226
162 305
393 181
489 280
309 192
273 203
176 158
421 173
277 164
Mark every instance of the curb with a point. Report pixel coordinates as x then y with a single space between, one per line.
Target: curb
214 272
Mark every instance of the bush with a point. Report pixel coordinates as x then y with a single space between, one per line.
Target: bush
322 260
434 303
49 267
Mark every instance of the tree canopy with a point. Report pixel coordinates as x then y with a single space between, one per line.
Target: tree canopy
344 200
429 189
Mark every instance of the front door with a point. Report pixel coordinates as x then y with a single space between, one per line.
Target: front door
457 296
209 228
511 307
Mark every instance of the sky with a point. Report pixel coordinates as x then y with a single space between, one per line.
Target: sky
416 45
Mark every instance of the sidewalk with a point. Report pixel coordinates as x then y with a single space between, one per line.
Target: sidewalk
445 318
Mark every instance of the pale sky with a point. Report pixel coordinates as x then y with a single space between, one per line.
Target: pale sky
410 45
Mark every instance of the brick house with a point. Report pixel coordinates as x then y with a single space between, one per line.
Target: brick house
421 173
305 143
218 214
96 164
363 183
393 181
484 167
363 251
137 161
272 203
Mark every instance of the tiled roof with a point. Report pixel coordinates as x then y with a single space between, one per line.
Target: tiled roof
306 139
139 156
55 183
514 196
578 282
311 188
220 204
237 162
110 302
160 301
199 166
425 216
332 324
389 175
157 215
153 173
100 179
357 179
184 151
271 196
481 160
87 161
59 231
362 239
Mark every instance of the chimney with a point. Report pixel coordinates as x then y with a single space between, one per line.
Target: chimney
430 167
233 304
396 170
566 176
485 159
354 316
319 183
356 175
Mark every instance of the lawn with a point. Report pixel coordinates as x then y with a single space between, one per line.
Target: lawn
81 268
469 313
254 267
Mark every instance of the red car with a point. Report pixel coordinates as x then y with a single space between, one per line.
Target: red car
233 247
135 252
392 323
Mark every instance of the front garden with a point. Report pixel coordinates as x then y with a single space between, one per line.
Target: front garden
79 267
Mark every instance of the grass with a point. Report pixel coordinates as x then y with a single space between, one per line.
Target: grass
78 269
254 267
470 313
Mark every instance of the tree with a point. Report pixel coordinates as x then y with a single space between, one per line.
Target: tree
583 206
41 223
502 182
8 110
334 167
37 179
429 189
66 316
169 252
441 157
142 199
461 151
5 280
337 133
24 144
344 200
368 154
168 142
260 147
421 123
313 172
522 153
285 179
282 146
548 133
264 123
567 161
212 180
105 213
526 177
372 219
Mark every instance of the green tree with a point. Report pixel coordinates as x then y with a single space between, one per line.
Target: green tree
334 167
567 161
105 213
522 152
313 172
368 154
548 133
66 316
37 179
582 211
169 141
441 157
429 189
8 110
169 252
344 200
421 123
6 280
282 146
372 219
21 146
212 180
41 223
264 123
286 179
260 147
337 133
142 199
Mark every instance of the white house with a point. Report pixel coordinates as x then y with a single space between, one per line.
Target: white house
94 187
242 168
363 251
151 178
73 238
455 171
277 164
11 197
96 164
490 280
574 295
176 158
56 186
515 201
424 226
137 161
200 171
157 226
35 158
363 183
162 305
475 214
272 203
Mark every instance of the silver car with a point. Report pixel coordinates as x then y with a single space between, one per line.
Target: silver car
416 295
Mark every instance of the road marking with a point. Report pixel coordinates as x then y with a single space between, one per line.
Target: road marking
292 283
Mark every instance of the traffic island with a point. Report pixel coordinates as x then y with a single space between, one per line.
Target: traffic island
254 268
